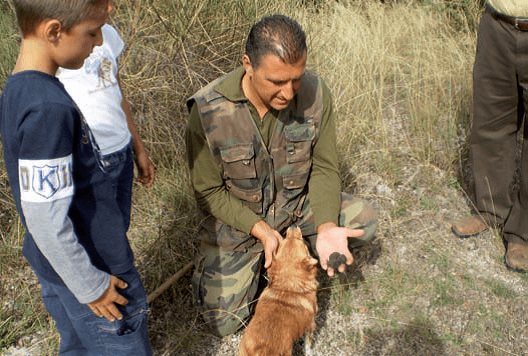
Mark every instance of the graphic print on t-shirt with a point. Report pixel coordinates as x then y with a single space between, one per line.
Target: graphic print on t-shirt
98 65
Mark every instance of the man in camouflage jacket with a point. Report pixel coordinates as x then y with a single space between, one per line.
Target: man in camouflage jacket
261 146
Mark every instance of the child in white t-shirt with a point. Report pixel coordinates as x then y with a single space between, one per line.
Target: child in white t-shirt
96 90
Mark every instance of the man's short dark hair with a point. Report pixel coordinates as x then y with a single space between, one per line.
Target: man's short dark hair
276 35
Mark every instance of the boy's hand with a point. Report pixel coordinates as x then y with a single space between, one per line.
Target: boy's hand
146 169
105 306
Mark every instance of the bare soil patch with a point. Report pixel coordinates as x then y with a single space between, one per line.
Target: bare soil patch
416 290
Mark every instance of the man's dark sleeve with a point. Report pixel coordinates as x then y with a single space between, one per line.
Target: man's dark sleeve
324 189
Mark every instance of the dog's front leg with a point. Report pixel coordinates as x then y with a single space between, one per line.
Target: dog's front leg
308 344
308 337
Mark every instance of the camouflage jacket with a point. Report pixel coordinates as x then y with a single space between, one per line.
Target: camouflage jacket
273 182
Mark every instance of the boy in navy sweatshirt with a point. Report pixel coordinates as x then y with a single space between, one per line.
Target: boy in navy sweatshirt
76 239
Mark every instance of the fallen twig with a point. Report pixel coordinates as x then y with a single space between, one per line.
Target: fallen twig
166 285
497 348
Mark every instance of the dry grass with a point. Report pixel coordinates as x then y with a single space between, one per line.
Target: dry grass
400 73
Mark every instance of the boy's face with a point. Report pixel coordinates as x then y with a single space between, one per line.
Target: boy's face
76 44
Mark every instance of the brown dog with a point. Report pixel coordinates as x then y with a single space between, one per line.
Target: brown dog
286 309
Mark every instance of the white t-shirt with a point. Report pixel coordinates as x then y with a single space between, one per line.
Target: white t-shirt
515 8
95 90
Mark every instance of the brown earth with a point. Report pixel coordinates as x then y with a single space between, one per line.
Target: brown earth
416 290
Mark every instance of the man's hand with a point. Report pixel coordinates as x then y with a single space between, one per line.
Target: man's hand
105 306
270 239
332 240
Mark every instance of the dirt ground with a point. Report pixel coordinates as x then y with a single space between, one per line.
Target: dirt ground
416 290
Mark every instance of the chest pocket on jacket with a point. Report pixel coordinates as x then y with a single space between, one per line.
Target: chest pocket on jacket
240 175
299 147
238 161
299 139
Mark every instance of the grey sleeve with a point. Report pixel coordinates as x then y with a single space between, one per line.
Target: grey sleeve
52 230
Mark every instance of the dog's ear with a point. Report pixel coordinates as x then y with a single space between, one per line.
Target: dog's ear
294 232
309 263
298 232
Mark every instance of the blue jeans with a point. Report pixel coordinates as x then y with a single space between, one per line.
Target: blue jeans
82 332
119 168
85 334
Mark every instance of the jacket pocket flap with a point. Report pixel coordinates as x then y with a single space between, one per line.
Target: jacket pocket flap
299 133
239 152
295 181
249 195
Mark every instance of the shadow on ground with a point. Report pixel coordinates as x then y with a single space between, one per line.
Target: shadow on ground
175 327
366 255
416 338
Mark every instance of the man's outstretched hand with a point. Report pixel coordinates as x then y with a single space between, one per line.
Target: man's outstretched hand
332 247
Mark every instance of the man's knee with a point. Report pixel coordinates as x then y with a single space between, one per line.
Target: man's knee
223 311
358 214
222 322
224 286
370 231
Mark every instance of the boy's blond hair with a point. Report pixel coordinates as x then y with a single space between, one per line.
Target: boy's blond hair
30 13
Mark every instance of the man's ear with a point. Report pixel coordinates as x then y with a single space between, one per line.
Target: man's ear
53 30
246 62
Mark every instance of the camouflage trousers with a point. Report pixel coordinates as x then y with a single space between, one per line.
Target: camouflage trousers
227 275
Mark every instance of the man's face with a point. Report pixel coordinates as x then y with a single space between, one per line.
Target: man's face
274 83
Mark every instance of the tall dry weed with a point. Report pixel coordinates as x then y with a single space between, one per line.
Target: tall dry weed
401 79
